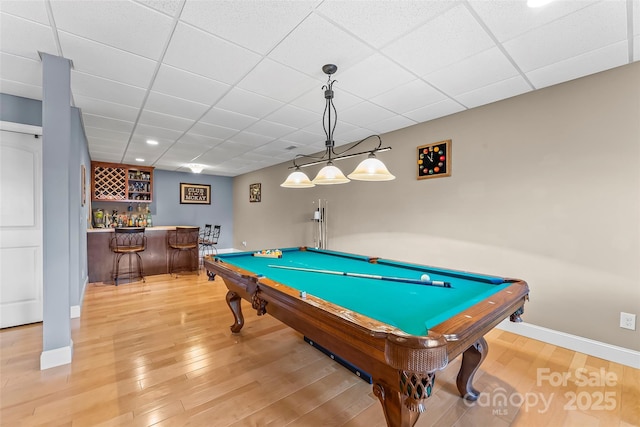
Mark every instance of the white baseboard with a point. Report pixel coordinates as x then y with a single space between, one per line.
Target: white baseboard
56 357
613 353
74 311
227 250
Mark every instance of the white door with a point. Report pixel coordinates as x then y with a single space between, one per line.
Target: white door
20 228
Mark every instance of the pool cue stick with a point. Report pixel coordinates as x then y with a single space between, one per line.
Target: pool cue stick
367 276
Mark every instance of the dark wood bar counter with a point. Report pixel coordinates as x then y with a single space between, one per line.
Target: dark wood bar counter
155 257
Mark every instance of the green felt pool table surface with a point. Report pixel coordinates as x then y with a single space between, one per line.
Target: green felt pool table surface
412 308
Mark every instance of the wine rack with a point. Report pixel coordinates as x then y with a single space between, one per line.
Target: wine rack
114 182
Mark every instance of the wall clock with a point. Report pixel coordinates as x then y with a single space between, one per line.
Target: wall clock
434 160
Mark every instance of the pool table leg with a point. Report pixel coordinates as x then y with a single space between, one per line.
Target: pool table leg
396 413
471 360
233 301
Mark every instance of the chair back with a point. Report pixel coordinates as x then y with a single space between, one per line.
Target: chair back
206 232
130 238
184 237
215 235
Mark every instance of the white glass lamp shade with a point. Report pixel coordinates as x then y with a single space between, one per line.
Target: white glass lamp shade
329 175
297 179
371 169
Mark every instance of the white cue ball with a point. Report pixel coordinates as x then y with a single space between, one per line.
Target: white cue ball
425 278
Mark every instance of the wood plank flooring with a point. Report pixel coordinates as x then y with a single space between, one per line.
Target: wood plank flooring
160 353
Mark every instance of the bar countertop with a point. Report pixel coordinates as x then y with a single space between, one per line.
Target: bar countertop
154 228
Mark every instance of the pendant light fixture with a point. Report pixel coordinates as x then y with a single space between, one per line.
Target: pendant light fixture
371 169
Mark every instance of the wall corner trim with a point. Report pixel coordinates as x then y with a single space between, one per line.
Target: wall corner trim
56 357
609 352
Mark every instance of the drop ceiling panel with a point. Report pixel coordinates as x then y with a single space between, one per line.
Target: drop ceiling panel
581 65
205 141
20 89
185 85
409 96
173 106
276 81
104 108
509 19
31 10
316 42
105 61
390 124
303 137
92 120
21 69
212 130
270 129
107 134
124 25
294 116
588 29
373 76
279 148
377 22
447 39
249 103
25 38
365 113
494 92
472 73
106 90
157 133
168 7
201 53
238 21
185 150
433 111
177 124
250 139
228 119
115 147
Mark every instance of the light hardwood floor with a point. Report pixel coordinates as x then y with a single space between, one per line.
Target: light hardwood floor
160 353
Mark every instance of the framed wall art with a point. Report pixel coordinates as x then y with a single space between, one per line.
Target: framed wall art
255 192
195 194
434 160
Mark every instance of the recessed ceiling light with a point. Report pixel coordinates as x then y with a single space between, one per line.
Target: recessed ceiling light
139 160
152 142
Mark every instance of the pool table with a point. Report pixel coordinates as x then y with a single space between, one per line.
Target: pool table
382 316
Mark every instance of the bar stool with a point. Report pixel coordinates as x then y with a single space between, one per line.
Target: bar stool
128 241
208 239
184 240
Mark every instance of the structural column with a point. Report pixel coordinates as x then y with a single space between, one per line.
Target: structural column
56 154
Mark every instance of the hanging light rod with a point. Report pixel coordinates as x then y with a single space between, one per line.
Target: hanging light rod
370 169
346 156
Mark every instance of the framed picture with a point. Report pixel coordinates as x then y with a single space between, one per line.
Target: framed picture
255 192
83 180
195 194
434 160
